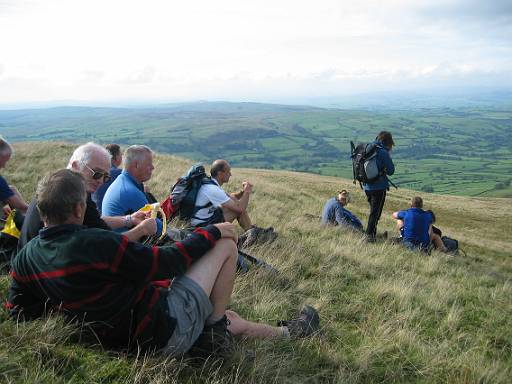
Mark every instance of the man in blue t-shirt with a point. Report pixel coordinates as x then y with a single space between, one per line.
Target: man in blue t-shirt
126 194
8 193
335 213
415 224
115 162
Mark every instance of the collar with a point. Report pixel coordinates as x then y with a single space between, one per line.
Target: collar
132 179
215 181
49 232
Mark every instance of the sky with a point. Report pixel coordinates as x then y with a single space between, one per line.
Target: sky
265 50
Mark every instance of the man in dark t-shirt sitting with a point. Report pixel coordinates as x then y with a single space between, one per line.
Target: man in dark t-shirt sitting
92 161
415 224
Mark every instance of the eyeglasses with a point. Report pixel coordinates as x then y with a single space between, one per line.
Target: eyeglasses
96 175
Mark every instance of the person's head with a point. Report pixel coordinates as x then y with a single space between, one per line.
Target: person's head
344 197
61 198
417 202
92 161
115 153
220 171
6 152
386 139
138 162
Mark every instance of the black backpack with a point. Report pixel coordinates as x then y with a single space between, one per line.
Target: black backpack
182 199
451 245
364 163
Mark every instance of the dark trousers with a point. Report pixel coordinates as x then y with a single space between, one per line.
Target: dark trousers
376 200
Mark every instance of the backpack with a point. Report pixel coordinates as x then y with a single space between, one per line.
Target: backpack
182 199
451 245
364 162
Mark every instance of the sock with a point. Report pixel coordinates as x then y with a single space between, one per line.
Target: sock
286 332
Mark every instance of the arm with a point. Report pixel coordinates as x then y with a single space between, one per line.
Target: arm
240 206
15 200
125 221
143 264
388 163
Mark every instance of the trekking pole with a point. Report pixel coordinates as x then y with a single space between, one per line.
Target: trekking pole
258 262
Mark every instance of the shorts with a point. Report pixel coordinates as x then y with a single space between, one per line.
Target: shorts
190 306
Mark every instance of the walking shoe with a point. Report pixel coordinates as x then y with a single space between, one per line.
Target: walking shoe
307 323
215 340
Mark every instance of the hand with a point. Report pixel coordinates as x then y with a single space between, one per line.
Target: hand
247 187
138 217
7 210
227 231
148 227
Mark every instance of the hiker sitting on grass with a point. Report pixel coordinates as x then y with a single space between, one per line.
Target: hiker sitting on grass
126 194
108 282
9 195
335 213
115 162
415 225
436 235
92 161
214 205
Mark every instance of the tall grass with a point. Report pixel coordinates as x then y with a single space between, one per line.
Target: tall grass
388 314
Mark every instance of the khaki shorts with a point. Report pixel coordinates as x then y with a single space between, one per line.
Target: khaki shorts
190 306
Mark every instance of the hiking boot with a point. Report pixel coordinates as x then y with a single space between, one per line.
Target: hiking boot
307 323
215 340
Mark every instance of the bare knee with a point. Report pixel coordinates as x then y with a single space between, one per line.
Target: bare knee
227 248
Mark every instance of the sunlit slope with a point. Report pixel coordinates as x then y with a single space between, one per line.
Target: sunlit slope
389 315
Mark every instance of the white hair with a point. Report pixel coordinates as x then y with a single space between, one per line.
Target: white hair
5 147
83 154
135 153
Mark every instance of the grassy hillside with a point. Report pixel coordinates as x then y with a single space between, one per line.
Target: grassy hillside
458 151
388 315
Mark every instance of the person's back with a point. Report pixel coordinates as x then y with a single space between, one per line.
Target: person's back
416 225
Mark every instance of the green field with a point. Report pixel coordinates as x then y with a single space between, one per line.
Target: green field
460 151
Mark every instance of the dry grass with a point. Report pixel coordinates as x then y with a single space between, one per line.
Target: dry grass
388 314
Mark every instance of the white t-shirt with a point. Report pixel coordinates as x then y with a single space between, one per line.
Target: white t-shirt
209 193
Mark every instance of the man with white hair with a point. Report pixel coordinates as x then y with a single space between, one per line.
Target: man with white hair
92 161
8 193
126 194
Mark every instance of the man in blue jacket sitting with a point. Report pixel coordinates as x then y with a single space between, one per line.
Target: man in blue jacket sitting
335 213
376 191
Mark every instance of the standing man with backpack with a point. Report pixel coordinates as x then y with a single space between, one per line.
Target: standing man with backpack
376 190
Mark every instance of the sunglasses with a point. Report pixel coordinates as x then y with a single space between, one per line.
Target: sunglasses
96 175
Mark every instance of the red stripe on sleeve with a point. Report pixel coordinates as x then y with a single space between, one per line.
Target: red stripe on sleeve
144 322
154 266
58 272
184 253
206 234
8 305
89 299
119 255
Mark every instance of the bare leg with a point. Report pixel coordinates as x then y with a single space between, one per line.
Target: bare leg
241 327
243 219
438 242
399 224
215 273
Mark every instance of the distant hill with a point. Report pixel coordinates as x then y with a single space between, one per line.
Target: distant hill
462 151
388 314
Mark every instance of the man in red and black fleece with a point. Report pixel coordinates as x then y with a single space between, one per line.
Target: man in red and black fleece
103 279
